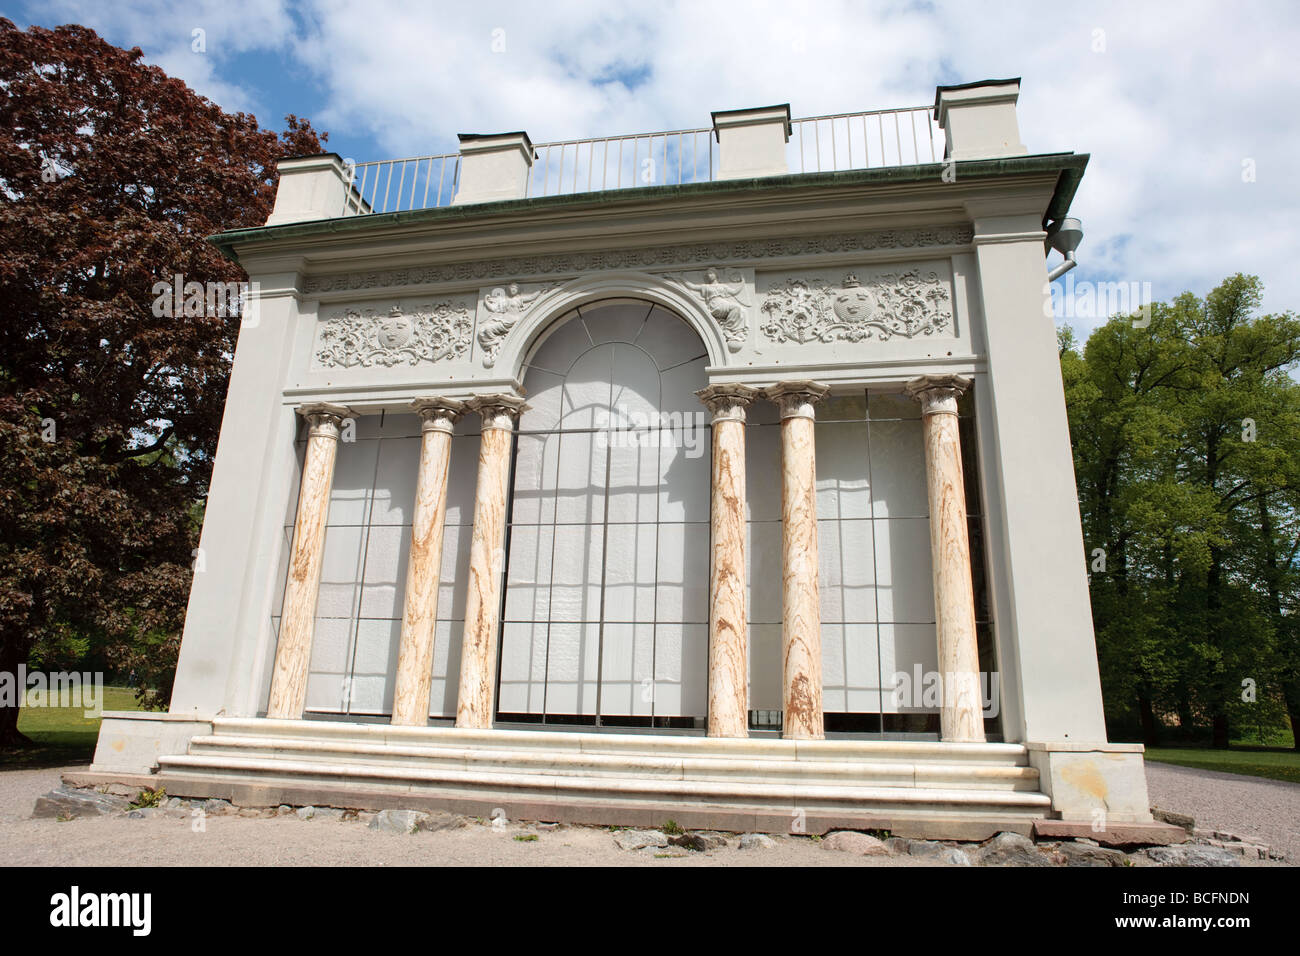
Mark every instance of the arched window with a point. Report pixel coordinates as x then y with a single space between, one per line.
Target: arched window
607 566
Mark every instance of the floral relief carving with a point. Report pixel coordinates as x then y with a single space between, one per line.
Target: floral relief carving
432 333
906 304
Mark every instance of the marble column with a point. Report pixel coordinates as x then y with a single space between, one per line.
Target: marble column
478 654
801 619
728 632
438 418
298 614
961 710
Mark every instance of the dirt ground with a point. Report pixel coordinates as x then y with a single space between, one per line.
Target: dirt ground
226 840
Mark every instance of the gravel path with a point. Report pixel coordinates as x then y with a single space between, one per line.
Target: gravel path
109 841
1251 807
1267 810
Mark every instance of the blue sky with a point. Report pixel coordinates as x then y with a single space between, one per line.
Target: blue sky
1173 101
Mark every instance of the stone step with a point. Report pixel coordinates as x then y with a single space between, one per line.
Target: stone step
645 763
666 745
270 772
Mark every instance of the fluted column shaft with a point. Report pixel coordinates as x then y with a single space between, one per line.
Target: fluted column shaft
728 631
420 614
478 655
961 710
801 622
298 614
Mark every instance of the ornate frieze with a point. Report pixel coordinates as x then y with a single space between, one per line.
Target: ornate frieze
724 300
361 336
503 308
907 303
654 258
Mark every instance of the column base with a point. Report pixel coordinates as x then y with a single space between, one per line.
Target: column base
1095 782
130 742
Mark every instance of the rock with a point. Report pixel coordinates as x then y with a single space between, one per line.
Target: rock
442 820
217 807
1176 819
1010 849
897 846
699 842
174 803
925 848
70 803
318 813
859 844
250 812
639 839
397 821
1078 853
954 857
756 841
1192 854
283 810
144 813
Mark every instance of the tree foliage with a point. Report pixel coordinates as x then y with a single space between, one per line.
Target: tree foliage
1186 436
111 175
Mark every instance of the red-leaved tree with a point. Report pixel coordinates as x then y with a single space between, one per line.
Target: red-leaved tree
111 175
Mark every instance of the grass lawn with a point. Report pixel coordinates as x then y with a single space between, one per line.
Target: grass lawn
62 734
1276 763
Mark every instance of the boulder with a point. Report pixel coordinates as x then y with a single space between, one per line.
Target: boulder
397 821
442 820
70 803
756 841
1192 854
640 839
859 844
700 842
1010 849
1078 853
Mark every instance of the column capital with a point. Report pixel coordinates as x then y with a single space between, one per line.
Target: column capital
324 418
728 402
438 413
796 399
938 394
498 411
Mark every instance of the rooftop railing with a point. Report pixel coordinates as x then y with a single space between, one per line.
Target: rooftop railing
817 144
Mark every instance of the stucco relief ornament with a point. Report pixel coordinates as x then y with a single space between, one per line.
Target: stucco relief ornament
722 301
508 306
364 337
896 303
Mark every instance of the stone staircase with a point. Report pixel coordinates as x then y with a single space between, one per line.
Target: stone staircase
939 790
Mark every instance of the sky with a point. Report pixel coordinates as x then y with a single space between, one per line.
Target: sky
1186 109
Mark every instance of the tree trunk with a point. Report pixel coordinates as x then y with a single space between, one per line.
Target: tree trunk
1291 694
10 658
1220 731
1150 726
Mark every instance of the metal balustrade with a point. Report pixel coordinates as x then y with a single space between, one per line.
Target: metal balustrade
396 185
818 144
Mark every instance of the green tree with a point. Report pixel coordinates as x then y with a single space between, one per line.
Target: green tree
1186 460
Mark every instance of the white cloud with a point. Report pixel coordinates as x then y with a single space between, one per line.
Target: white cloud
1177 99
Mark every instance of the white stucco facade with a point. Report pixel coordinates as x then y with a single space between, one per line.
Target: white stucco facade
595 303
